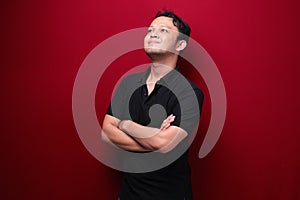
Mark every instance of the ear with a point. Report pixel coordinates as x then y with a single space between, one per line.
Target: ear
181 44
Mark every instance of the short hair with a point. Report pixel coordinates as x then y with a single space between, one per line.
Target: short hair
183 28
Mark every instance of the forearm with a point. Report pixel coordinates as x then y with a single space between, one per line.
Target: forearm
153 138
136 130
112 134
142 134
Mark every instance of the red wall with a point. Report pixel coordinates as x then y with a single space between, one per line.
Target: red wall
255 45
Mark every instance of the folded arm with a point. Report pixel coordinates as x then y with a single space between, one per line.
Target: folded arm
111 133
163 140
132 136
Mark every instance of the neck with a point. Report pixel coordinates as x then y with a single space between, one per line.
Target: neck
160 67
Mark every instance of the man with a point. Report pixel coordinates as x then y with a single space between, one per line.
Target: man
139 127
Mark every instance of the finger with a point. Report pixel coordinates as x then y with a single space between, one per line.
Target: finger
171 118
163 125
167 126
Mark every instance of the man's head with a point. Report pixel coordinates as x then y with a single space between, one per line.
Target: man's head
167 34
183 28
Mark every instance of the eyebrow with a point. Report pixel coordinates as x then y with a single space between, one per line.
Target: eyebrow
163 25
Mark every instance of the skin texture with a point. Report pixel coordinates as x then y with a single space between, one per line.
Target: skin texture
162 46
161 36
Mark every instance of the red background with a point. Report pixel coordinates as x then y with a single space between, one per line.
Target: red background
255 45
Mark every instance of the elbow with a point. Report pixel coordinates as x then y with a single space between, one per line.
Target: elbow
165 149
104 136
166 145
162 146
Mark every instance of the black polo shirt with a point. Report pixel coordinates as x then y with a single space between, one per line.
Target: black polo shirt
170 96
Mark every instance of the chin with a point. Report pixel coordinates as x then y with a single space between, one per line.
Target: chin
154 54
153 50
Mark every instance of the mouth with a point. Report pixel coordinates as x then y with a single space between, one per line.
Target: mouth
153 42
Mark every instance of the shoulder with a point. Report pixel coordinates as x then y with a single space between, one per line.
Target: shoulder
199 94
134 77
196 89
131 80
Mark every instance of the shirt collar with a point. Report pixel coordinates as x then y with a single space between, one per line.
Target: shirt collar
166 80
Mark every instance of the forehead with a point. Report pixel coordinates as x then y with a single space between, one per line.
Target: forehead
164 21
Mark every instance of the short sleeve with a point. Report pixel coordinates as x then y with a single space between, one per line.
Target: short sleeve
188 108
119 105
116 104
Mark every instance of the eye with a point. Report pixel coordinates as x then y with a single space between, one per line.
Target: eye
150 30
164 30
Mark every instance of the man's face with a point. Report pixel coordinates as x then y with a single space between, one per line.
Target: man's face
161 37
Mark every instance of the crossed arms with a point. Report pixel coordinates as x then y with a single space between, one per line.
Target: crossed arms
132 136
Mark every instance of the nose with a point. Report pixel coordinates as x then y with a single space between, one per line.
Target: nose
154 34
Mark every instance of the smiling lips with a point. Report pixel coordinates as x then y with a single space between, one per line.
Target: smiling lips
153 42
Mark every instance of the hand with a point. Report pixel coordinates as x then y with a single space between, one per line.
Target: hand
167 122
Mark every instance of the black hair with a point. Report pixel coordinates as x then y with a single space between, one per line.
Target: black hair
183 28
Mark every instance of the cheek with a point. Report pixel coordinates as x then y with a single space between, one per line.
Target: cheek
170 42
145 41
146 38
